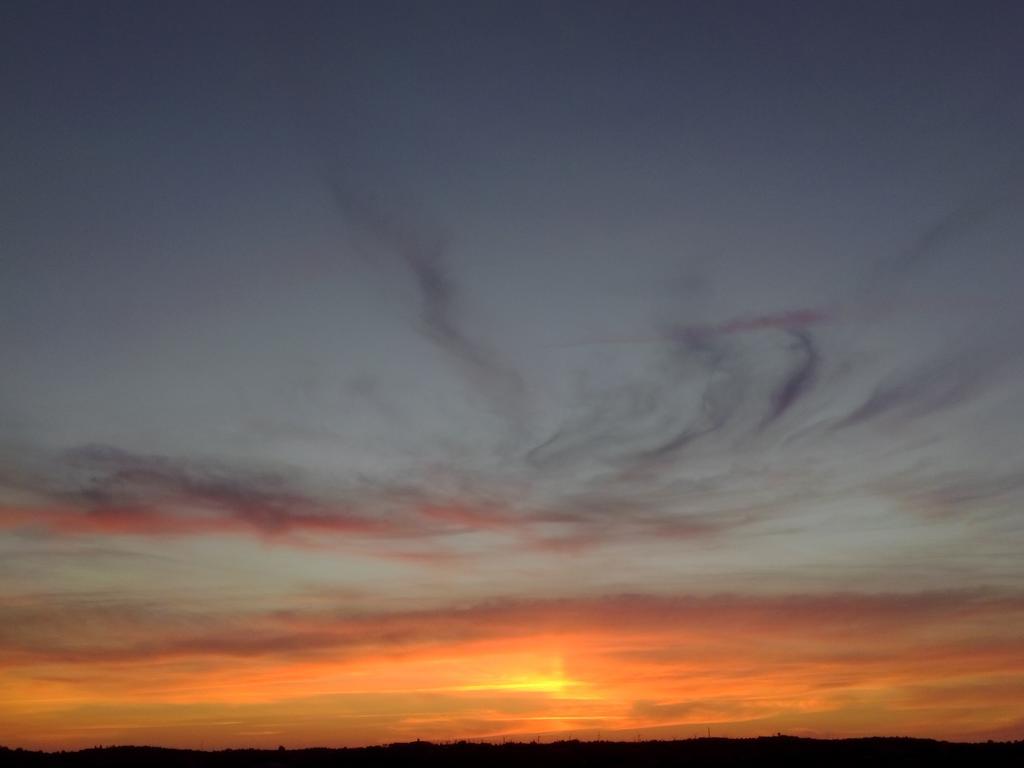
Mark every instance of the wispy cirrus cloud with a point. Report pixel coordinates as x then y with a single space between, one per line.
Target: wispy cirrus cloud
441 320
932 387
103 490
704 381
974 213
798 380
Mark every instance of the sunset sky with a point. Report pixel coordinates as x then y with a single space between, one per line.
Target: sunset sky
391 370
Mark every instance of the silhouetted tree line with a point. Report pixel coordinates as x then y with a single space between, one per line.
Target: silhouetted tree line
764 751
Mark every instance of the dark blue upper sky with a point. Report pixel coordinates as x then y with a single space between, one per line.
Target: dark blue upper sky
620 270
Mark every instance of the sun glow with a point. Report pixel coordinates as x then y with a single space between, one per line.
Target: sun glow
517 672
537 685
527 683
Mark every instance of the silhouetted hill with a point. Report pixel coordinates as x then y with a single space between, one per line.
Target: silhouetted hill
764 751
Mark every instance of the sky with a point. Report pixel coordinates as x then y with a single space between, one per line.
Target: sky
383 371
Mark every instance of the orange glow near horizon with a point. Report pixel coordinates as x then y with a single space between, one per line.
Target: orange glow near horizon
742 671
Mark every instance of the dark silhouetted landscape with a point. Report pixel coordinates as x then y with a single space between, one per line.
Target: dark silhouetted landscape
763 751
